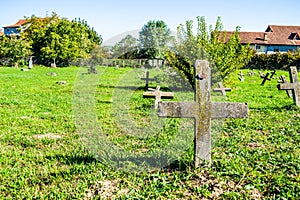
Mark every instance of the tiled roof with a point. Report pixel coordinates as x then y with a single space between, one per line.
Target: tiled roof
274 35
18 24
1 34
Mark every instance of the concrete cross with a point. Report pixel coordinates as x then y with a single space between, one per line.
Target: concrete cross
158 95
282 79
241 76
265 78
147 79
222 89
294 85
202 110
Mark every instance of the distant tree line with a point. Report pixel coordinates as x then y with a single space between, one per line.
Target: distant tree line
51 40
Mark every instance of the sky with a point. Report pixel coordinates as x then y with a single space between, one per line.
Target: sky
110 18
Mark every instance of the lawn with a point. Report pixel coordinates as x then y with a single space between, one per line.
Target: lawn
96 137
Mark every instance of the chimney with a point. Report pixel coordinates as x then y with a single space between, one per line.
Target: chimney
265 36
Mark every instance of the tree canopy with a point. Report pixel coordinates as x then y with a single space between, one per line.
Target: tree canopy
58 40
154 39
226 54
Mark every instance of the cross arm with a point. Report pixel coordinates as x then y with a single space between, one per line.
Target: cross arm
229 110
177 109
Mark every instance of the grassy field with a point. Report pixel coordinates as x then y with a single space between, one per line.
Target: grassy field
43 154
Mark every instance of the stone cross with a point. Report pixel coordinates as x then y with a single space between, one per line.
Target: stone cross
92 70
241 76
30 65
282 79
272 74
158 95
265 78
222 89
202 110
147 79
294 85
251 73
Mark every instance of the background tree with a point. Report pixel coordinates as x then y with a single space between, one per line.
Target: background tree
154 38
224 51
126 48
58 40
14 48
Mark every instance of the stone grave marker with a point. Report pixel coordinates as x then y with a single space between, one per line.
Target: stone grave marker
261 74
272 74
147 79
251 73
30 65
282 79
92 70
241 76
294 85
158 95
221 89
265 78
202 110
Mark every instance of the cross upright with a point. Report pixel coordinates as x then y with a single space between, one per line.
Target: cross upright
202 110
158 95
147 79
282 79
222 89
294 85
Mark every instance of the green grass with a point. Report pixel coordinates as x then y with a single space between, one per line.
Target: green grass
43 155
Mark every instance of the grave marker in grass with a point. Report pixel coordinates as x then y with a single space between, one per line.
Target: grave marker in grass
158 95
147 79
222 89
282 79
266 77
241 76
294 85
202 110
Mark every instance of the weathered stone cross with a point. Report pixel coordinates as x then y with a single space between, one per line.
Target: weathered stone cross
222 89
282 79
294 85
266 77
158 95
202 110
147 79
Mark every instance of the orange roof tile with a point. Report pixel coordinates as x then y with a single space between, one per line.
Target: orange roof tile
274 35
1 34
18 24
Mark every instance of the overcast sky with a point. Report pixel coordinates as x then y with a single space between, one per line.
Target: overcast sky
113 17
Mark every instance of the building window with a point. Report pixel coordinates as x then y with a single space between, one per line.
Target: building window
257 47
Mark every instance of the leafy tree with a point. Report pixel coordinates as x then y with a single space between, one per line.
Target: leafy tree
59 40
154 39
125 48
15 49
225 52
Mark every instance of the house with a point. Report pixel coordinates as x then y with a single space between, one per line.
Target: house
276 38
16 28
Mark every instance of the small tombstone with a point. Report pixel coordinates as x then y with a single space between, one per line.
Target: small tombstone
221 89
51 74
158 95
202 110
30 65
282 79
61 82
92 70
24 69
241 76
273 73
261 74
147 79
294 85
265 78
251 73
